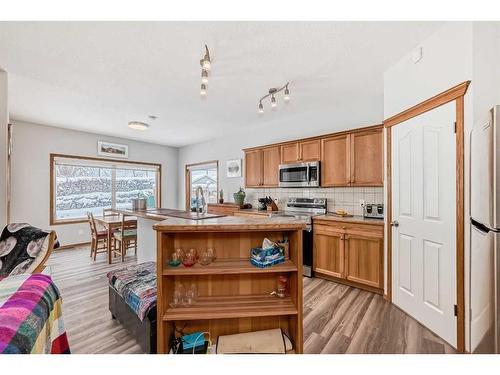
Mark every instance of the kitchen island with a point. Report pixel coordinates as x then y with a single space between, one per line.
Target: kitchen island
234 295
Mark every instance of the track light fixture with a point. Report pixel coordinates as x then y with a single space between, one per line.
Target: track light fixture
204 76
272 93
206 65
203 91
261 108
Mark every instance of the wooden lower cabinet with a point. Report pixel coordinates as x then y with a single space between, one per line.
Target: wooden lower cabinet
329 253
351 254
364 260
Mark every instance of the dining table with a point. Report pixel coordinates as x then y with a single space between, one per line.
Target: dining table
110 223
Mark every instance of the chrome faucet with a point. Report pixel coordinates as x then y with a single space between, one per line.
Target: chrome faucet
199 191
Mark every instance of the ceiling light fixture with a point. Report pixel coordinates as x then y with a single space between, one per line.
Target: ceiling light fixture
204 76
286 97
272 92
273 101
203 90
206 65
205 62
261 108
138 125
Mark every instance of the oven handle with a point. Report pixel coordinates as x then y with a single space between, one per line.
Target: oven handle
308 174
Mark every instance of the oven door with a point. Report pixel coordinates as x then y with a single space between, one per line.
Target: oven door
294 175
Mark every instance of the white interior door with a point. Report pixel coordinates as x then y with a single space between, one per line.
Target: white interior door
424 205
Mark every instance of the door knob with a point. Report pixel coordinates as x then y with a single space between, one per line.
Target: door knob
395 223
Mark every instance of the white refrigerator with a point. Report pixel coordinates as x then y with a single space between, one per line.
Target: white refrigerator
485 235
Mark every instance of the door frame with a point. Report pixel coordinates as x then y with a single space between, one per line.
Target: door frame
456 94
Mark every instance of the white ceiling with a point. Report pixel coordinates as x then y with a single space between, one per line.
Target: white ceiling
97 76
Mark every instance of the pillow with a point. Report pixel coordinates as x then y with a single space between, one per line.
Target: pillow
22 248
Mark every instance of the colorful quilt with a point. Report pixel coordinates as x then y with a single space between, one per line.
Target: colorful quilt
137 285
31 316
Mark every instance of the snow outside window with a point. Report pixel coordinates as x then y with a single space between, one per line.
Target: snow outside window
82 186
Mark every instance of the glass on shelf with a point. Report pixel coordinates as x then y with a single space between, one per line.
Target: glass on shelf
190 258
180 254
205 258
191 295
178 296
175 260
212 254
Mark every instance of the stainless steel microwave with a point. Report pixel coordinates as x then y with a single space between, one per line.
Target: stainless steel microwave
299 175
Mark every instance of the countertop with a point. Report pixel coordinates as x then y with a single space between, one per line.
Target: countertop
255 211
230 223
352 219
152 214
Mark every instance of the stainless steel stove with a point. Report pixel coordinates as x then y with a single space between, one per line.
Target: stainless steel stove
306 209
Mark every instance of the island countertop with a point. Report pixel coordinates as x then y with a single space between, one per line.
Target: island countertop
230 223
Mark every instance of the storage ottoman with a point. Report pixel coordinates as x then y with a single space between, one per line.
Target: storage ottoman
132 302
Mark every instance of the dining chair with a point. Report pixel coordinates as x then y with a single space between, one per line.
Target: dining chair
126 236
99 238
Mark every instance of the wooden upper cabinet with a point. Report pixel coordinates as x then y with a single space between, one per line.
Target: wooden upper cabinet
310 150
253 168
347 159
290 153
364 259
262 167
298 152
270 166
335 161
367 167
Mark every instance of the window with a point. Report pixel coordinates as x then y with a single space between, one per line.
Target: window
80 185
204 175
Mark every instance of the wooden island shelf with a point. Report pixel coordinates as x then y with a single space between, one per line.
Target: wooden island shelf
233 307
228 267
234 296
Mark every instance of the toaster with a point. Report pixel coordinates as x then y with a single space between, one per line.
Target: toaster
373 211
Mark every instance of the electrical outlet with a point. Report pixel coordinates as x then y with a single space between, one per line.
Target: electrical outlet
362 202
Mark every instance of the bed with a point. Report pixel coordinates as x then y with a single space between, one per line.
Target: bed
31 316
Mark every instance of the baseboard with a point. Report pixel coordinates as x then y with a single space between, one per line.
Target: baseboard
71 246
349 283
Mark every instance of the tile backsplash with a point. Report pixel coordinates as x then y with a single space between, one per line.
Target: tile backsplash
338 198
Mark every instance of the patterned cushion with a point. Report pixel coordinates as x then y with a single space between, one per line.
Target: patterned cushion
22 248
128 233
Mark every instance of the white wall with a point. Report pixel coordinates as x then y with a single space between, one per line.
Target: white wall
32 144
446 62
4 120
457 52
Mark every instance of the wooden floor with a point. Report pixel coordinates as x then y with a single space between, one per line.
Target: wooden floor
341 319
337 318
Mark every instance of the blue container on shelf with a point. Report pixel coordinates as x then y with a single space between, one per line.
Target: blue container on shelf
263 258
